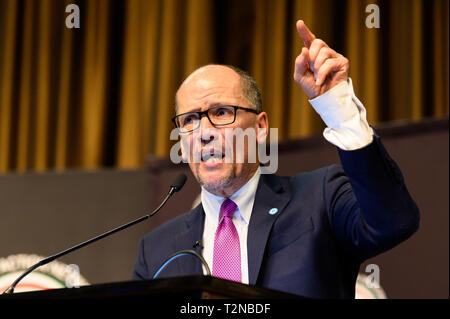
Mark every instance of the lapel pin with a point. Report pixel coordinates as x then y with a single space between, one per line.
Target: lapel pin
273 211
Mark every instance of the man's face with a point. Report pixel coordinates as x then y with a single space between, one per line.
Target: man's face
207 87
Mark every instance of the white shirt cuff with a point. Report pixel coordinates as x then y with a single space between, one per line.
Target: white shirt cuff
345 117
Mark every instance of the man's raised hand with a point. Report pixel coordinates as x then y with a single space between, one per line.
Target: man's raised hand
318 68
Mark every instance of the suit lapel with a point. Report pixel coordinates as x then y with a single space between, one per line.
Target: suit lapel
186 239
272 192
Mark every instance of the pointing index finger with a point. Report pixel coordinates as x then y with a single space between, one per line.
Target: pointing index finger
306 35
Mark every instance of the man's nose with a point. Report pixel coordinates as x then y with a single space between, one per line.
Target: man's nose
207 130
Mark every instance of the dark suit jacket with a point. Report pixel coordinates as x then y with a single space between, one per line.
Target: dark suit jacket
328 222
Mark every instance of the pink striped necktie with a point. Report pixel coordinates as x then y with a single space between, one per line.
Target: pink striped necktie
227 250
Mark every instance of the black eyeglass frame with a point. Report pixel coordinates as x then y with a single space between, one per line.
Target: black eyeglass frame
201 113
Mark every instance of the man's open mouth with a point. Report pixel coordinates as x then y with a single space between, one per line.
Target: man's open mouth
212 155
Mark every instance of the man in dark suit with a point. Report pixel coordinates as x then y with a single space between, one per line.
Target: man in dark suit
306 234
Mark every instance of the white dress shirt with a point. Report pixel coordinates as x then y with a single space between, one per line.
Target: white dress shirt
347 128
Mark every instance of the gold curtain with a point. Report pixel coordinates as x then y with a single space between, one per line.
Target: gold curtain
102 95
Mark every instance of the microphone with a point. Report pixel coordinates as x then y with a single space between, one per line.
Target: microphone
178 182
176 186
198 243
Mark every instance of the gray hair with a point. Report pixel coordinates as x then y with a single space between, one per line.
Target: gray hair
249 88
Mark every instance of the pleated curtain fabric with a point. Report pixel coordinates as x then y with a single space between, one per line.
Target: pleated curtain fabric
102 95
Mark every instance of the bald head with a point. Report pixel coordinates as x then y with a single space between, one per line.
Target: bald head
239 81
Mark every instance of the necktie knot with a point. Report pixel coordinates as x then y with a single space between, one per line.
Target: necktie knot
227 208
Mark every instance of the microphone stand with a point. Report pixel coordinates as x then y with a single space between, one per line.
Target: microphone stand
175 187
45 261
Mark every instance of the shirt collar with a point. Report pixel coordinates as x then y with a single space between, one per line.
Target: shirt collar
243 197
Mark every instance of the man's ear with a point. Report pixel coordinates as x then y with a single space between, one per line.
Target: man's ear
263 127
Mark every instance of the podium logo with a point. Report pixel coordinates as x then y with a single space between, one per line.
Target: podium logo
51 276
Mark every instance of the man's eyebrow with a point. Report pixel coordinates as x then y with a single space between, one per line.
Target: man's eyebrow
211 104
208 106
217 103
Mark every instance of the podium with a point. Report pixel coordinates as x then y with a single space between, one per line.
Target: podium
187 287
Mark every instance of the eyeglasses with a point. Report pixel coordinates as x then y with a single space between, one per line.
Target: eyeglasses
220 115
